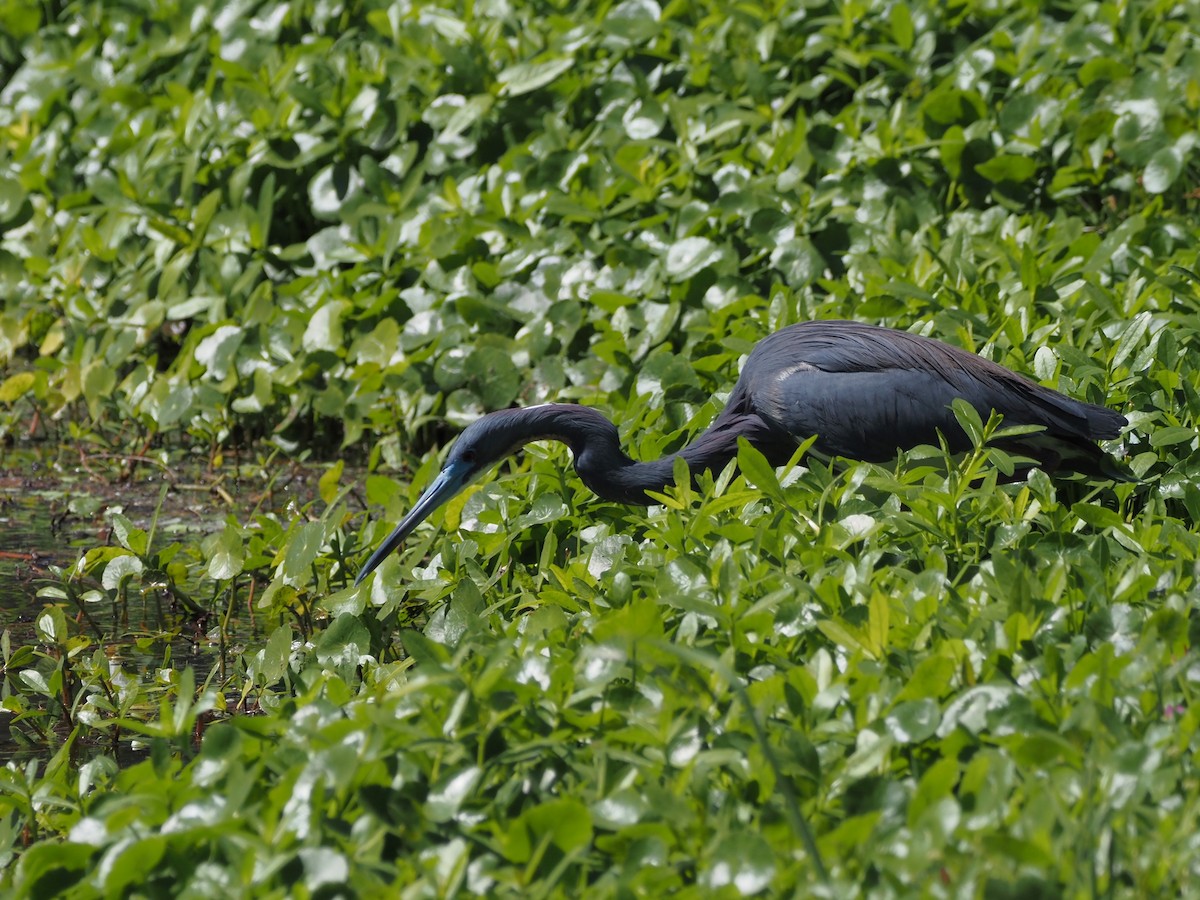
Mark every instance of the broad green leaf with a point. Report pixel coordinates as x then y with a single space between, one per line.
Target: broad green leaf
525 77
327 484
1162 170
902 26
127 862
14 203
16 386
226 555
878 618
913 721
99 380
333 189
52 626
119 570
968 419
1097 516
276 654
324 331
302 549
844 637
566 823
324 868
346 640
1008 168
754 467
446 799
742 861
1171 435
689 256
128 535
633 21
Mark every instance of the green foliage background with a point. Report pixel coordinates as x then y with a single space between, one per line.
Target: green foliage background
338 225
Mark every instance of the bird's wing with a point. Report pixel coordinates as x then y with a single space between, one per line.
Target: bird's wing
866 391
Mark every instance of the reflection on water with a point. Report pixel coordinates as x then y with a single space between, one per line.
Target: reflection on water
45 522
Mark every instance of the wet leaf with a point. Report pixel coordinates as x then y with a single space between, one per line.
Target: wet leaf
225 559
687 257
742 861
346 641
275 655
302 549
1162 170
913 721
446 799
525 77
119 570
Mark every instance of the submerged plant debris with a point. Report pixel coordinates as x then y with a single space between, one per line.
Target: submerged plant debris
303 243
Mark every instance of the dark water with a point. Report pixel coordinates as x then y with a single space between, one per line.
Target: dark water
50 520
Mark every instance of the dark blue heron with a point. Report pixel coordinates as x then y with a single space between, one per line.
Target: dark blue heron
863 391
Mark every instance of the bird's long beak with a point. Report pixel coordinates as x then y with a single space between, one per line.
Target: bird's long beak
449 482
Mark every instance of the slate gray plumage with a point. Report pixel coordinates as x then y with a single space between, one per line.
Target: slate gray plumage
864 391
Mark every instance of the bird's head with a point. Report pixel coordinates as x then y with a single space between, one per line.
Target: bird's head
484 443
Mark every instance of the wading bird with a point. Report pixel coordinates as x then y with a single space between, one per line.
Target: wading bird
863 391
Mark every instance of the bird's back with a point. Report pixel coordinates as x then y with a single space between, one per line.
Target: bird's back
866 391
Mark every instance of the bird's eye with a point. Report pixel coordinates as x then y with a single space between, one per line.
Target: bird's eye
468 456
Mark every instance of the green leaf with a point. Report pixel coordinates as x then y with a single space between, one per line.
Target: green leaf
126 864
15 209
302 550
633 21
458 616
496 379
1097 516
225 560
49 869
324 331
742 861
52 626
968 419
902 26
99 380
931 678
333 189
1008 168
169 403
566 823
16 386
1171 435
689 256
345 641
878 617
119 570
913 721
756 470
327 484
446 798
844 637
276 655
1162 171
129 536
525 77
324 868
426 652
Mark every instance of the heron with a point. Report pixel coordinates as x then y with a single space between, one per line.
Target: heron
863 391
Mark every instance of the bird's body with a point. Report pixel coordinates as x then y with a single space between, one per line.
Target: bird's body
863 391
867 391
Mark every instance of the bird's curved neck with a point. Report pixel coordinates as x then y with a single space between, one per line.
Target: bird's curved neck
601 463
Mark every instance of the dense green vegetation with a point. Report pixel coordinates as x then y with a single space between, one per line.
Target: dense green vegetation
322 228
